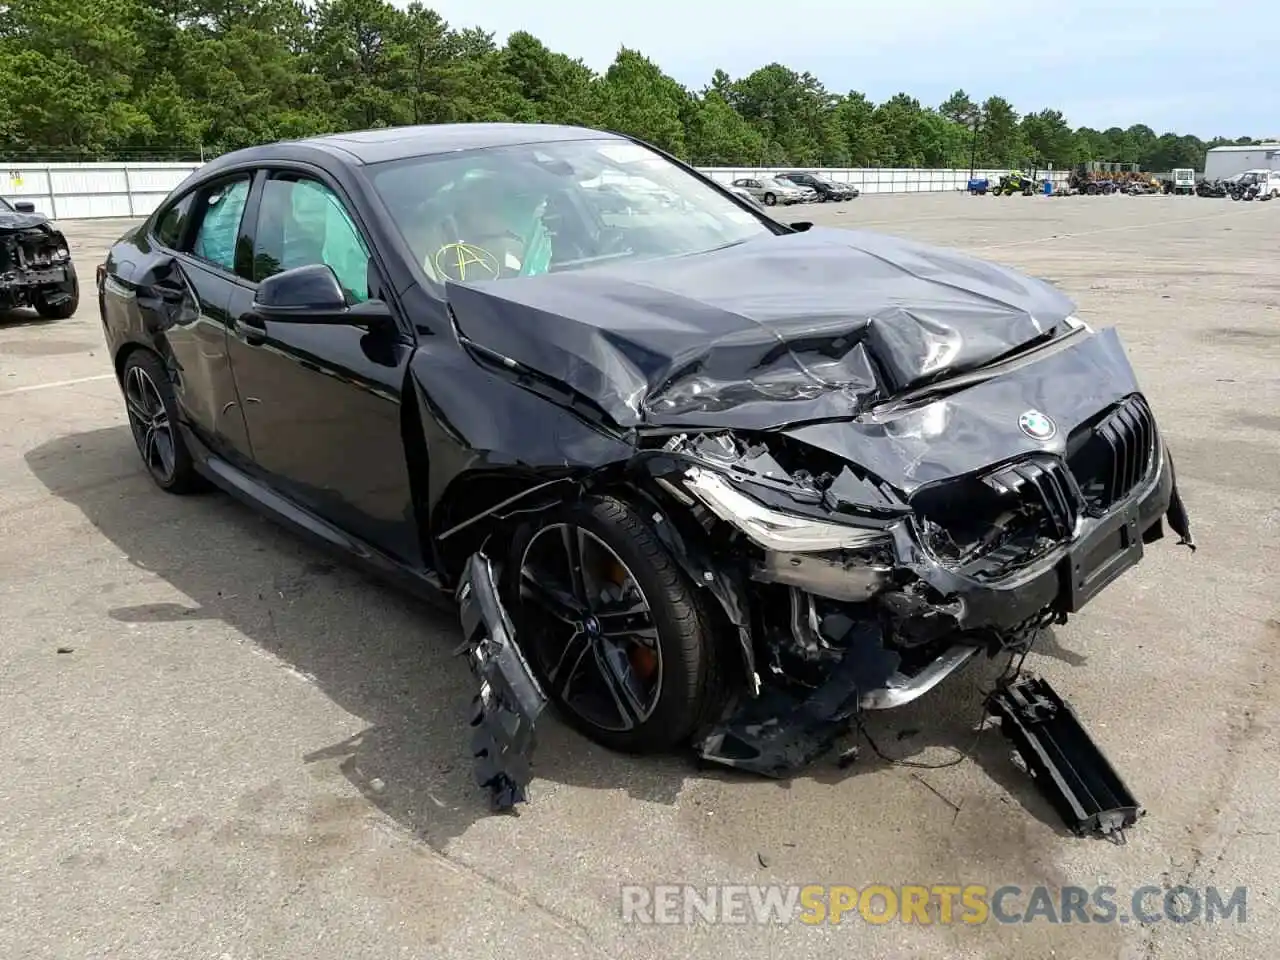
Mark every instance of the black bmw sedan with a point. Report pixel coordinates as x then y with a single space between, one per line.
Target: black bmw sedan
694 475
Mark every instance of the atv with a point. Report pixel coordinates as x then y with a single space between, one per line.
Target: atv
1015 181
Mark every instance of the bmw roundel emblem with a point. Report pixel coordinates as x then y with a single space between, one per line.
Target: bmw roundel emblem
1037 426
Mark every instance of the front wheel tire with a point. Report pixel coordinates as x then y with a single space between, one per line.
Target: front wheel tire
613 628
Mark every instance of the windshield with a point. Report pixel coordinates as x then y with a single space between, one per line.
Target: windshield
4 205
542 208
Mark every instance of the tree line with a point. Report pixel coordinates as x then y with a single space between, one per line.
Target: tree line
117 79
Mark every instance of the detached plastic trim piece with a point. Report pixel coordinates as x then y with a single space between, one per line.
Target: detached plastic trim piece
509 702
1069 769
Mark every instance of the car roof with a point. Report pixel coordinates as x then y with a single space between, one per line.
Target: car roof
359 147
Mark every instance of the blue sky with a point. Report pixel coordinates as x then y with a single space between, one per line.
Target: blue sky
1186 65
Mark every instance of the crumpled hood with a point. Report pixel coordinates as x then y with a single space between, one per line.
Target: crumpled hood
978 426
12 220
762 334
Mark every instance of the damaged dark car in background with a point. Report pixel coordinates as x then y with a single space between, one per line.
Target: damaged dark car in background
35 263
695 476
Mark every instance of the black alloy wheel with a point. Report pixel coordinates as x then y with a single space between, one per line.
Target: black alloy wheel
594 630
770 199
149 419
152 412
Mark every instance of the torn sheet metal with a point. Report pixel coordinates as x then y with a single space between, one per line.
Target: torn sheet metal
165 298
1069 769
510 699
966 431
762 333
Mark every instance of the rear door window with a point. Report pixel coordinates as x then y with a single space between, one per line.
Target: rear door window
220 210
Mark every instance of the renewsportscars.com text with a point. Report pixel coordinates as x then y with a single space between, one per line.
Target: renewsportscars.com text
966 904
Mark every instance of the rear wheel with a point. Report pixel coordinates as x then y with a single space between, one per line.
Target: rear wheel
613 628
153 418
770 199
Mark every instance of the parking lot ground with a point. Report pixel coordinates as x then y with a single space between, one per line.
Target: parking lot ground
218 742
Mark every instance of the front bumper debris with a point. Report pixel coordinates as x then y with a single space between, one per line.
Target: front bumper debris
510 698
22 287
1063 580
1068 767
778 732
937 608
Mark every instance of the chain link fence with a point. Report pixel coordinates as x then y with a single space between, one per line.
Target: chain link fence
63 155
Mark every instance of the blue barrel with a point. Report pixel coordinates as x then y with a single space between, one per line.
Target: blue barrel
1048 188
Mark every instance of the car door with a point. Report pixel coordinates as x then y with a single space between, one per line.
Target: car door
323 400
191 278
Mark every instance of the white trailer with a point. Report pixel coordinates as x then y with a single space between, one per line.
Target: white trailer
1223 162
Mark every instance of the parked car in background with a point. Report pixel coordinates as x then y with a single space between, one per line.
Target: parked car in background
770 190
744 194
35 263
825 189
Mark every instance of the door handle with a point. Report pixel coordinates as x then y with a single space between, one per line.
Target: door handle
251 328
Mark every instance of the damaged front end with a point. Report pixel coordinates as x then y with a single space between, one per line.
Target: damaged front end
845 593
872 496
35 264
863 597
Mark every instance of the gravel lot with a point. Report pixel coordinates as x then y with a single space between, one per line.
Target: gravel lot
248 750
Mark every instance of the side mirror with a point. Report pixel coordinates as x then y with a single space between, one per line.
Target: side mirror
24 206
312 294
801 226
305 293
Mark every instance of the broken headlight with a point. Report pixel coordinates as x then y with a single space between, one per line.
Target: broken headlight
773 529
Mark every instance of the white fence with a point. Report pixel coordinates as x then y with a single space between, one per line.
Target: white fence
75 191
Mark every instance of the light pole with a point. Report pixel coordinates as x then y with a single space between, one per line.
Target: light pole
975 117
